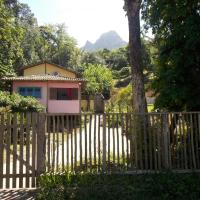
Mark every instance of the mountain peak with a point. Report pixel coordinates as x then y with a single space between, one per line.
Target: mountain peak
109 40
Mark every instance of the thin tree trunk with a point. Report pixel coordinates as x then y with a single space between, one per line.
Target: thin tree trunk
133 12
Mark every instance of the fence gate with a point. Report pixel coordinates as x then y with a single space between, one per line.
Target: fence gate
21 147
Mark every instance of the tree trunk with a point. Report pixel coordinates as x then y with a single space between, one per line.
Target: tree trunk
133 12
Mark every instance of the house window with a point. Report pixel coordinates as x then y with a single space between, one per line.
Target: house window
30 91
64 93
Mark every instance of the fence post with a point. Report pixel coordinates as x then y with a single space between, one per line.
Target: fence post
41 143
165 141
104 142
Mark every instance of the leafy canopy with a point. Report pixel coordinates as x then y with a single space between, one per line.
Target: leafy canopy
99 79
176 25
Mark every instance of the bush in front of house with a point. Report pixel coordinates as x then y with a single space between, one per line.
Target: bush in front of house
17 103
86 186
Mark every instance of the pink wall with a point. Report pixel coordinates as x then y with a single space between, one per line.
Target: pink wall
64 106
54 106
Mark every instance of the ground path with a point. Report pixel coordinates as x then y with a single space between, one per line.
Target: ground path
18 194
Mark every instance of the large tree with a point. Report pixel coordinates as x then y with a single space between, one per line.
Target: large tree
57 46
132 8
176 26
10 38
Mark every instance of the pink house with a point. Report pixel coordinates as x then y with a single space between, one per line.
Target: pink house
57 88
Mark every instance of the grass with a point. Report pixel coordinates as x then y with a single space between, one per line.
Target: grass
85 186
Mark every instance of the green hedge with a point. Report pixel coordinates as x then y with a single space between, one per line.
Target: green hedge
17 103
119 187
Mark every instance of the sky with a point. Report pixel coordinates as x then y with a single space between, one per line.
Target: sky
84 19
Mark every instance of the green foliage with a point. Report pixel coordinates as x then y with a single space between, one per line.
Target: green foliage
91 58
123 73
177 36
17 103
99 79
56 45
10 35
115 59
121 100
23 42
161 186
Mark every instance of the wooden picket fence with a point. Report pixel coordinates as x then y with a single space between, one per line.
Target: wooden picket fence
33 143
21 143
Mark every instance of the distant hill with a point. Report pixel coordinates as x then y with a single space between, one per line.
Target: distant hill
109 40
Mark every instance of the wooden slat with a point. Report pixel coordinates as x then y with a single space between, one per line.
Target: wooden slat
54 141
177 142
21 149
122 138
49 142
145 124
113 133
99 144
90 141
118 157
140 139
85 125
158 132
95 158
67 138
1 148
181 142
108 141
41 144
133 142
184 142
63 146
188 137
192 141
126 138
154 143
173 133
198 122
72 143
80 142
8 137
75 141
104 143
14 149
34 122
28 128
169 139
196 141
57 142
165 144
150 133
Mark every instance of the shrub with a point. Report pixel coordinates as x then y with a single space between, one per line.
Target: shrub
17 103
117 187
121 100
